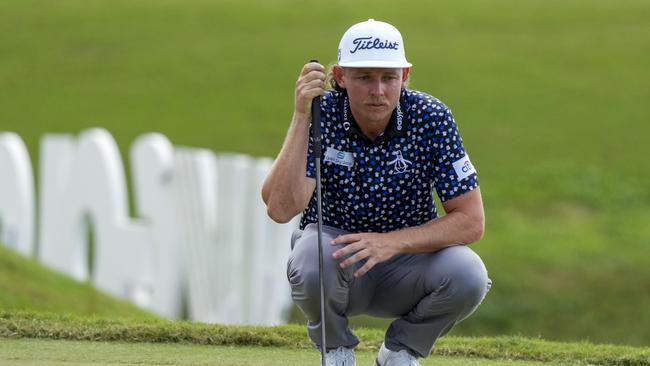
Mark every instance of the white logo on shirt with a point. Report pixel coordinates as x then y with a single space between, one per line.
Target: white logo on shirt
339 157
401 165
464 167
399 117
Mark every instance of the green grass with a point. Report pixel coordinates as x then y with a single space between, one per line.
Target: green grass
25 284
19 325
551 98
59 353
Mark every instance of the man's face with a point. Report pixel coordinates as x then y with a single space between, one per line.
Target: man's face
373 93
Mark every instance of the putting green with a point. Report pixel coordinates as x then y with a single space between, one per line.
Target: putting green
19 352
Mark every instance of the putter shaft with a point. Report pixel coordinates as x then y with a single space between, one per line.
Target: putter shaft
316 133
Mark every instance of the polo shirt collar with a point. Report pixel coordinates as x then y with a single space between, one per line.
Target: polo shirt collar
397 126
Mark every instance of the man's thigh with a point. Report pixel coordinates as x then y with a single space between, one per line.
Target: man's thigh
394 288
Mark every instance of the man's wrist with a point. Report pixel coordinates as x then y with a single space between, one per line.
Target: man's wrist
301 116
399 240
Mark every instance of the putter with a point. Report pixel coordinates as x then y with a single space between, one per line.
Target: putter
316 132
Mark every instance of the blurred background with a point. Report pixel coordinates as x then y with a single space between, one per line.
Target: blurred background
551 98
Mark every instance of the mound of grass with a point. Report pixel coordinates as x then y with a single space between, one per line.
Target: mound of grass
66 327
26 284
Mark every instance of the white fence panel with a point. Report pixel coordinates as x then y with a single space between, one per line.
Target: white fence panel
270 292
232 174
16 195
86 181
152 162
195 187
232 242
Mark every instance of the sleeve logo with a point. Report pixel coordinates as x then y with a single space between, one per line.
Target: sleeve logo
463 167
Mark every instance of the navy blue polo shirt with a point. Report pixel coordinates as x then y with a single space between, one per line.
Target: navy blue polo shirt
387 184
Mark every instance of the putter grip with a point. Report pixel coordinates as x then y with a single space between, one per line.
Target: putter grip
315 123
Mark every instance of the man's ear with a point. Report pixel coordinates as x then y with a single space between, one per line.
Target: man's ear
405 74
338 75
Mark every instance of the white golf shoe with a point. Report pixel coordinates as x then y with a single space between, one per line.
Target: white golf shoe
341 356
386 357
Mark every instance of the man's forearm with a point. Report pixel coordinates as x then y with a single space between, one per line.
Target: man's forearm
455 228
286 188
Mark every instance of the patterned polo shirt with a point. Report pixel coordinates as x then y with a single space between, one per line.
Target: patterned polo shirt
388 184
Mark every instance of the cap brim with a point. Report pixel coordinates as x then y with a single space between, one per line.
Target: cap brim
377 64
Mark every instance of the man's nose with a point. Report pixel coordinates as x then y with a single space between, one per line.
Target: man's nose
377 87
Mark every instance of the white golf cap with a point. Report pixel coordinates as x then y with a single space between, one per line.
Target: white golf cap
372 44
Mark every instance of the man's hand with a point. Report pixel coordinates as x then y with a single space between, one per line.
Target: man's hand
309 85
373 247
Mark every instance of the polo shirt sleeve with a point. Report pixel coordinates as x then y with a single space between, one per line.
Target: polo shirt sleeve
454 173
311 161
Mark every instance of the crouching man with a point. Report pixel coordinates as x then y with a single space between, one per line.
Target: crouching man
387 253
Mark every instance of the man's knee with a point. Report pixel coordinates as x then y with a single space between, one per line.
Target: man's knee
304 279
466 276
470 281
304 282
302 268
473 286
302 271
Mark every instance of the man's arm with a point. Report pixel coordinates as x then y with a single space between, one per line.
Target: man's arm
287 190
463 224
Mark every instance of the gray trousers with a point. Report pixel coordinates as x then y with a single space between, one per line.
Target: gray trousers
428 293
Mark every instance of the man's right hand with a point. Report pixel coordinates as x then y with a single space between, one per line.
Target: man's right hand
309 85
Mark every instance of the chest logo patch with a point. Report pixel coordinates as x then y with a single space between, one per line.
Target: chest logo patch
339 157
400 165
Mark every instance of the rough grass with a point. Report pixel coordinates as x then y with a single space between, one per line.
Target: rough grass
66 327
550 96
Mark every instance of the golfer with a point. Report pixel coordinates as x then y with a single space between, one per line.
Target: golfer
387 252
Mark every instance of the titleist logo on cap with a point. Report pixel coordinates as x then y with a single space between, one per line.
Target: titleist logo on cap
369 43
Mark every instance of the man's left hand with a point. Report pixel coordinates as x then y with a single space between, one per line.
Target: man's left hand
373 247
